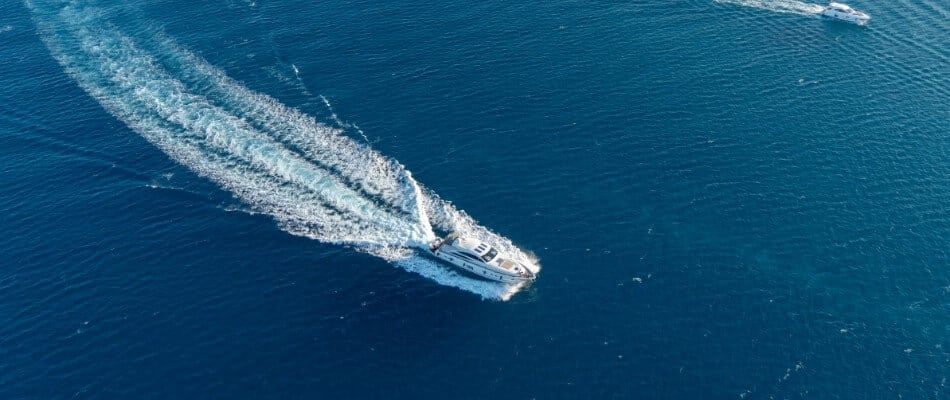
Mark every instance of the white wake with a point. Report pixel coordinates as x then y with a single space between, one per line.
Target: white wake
780 6
314 181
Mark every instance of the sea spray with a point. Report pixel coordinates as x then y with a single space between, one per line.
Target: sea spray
779 6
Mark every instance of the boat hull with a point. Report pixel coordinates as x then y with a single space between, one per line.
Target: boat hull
846 17
479 271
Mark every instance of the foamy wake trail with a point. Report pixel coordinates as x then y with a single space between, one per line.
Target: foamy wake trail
313 180
781 6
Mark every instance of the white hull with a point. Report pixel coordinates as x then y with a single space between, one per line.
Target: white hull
479 270
847 18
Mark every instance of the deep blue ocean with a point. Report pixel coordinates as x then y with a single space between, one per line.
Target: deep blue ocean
731 199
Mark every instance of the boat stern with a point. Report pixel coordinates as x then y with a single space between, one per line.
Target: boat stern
435 244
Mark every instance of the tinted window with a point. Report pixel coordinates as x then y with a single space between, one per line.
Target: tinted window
490 254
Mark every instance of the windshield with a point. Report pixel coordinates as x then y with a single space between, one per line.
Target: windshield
490 254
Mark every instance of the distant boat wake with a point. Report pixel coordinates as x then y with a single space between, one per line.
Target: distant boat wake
780 6
310 178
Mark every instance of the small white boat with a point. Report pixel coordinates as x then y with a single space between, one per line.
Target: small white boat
844 12
480 259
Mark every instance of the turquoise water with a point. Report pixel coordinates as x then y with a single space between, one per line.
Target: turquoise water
727 199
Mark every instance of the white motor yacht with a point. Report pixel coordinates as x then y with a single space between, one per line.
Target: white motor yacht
480 259
844 12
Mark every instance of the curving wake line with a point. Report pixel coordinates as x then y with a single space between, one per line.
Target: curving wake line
780 6
313 180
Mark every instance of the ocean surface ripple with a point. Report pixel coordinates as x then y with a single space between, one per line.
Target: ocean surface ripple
732 199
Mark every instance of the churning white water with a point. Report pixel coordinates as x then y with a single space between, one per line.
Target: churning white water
313 180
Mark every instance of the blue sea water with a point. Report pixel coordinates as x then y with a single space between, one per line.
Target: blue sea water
728 199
